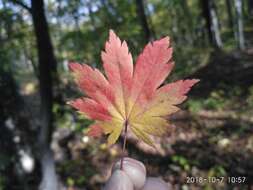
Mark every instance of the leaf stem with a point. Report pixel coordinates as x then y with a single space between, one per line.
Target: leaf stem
124 145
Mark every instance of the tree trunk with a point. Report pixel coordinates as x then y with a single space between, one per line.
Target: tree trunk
230 14
231 18
189 31
239 24
210 14
250 7
143 20
47 69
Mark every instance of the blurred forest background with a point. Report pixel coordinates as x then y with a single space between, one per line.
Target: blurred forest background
42 141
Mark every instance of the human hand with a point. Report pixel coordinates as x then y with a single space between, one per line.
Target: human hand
133 177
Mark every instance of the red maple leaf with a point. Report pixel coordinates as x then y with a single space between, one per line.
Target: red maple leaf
130 95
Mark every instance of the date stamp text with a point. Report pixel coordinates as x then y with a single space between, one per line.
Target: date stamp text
230 179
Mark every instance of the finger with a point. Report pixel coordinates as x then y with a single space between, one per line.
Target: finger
119 181
135 170
154 183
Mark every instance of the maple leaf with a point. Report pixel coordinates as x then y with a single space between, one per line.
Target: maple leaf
130 96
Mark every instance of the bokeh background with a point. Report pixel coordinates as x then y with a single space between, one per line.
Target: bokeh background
43 141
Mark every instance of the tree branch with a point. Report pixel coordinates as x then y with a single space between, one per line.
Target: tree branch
22 4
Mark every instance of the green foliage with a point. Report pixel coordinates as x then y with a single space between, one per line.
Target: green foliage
74 168
5 161
182 162
217 171
249 99
65 118
216 101
2 182
194 105
78 30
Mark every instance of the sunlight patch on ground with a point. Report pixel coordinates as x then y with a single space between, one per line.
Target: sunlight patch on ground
29 88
